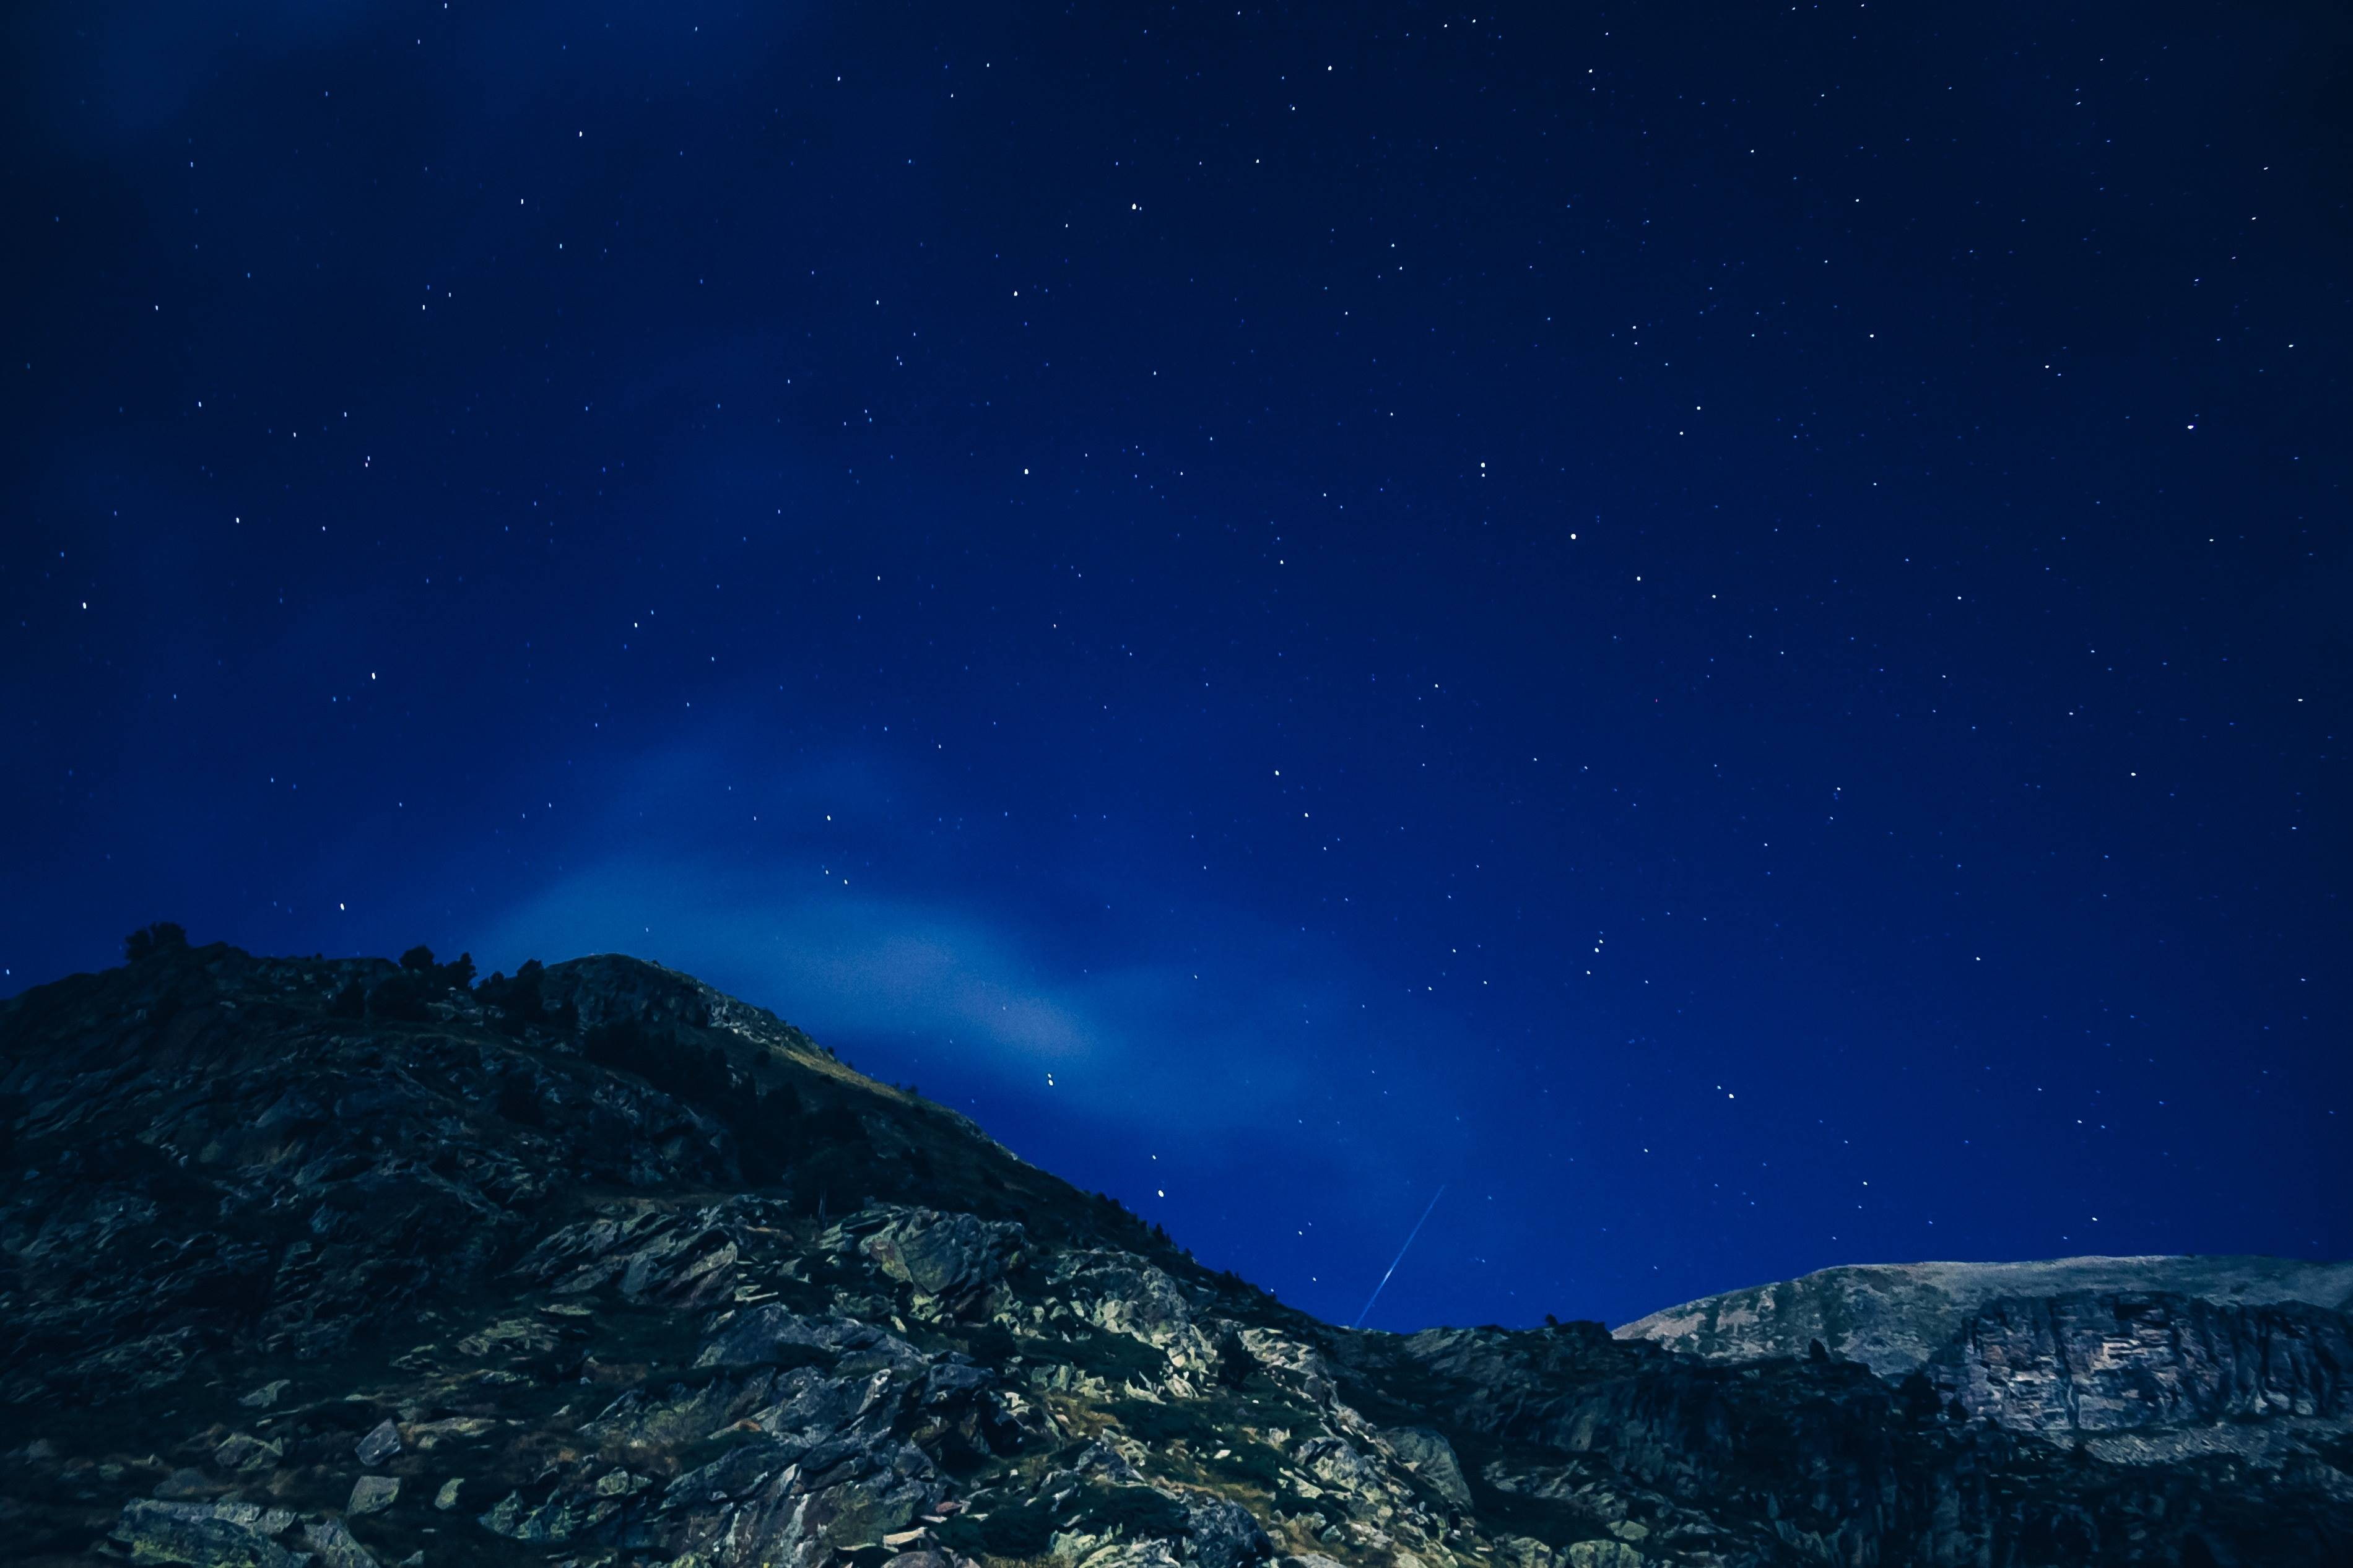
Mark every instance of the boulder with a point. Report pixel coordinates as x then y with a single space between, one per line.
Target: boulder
373 1494
382 1443
243 1453
336 1546
1427 1454
204 1535
265 1396
1219 1533
943 1255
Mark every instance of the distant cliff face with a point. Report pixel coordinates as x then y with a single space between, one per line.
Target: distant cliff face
1893 1318
2110 1361
2142 1360
310 1263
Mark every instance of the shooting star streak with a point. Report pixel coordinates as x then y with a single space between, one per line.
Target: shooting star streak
1399 1258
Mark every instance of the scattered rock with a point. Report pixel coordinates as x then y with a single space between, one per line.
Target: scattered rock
335 1545
206 1535
505 1516
373 1494
1602 1555
382 1443
240 1452
513 1336
446 1497
1521 1551
265 1396
425 1435
186 1484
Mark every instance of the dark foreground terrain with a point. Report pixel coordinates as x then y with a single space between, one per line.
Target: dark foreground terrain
353 1263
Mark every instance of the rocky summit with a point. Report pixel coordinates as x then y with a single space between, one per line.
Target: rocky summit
310 1263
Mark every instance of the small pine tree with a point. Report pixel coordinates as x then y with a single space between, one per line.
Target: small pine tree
518 998
148 940
399 998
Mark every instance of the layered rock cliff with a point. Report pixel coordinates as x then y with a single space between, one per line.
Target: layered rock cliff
2188 1356
1894 1317
349 1263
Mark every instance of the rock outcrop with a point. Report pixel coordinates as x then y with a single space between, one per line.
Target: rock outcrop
1894 1317
2102 1361
308 1264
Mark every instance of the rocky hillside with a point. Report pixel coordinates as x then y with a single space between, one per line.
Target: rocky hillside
350 1263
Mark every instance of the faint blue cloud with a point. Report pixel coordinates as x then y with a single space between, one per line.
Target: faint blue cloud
1212 1016
1139 1038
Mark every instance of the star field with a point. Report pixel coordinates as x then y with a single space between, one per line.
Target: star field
1720 630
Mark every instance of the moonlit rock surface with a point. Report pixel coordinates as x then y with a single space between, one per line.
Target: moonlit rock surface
1894 1317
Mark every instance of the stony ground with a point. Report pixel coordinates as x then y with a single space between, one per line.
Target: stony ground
367 1264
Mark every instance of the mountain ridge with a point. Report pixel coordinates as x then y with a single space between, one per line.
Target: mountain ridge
358 1264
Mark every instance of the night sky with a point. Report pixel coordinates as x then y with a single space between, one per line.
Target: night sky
1720 629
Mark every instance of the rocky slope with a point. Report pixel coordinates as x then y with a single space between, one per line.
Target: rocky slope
345 1263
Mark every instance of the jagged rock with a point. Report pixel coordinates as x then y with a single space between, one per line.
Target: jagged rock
770 1334
426 1435
373 1494
1123 1295
265 1396
505 1516
943 1255
446 1497
205 1536
1427 1455
382 1443
513 1336
240 1452
335 1545
1522 1552
187 1483
1220 1533
1600 1554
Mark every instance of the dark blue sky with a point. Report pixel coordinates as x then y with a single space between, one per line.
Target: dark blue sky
1723 629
